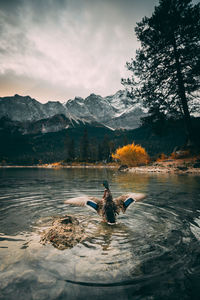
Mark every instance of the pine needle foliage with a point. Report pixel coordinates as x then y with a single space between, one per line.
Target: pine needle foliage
166 68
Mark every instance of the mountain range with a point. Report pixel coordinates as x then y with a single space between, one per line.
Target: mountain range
31 116
31 132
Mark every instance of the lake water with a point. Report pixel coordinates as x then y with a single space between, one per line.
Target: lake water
152 253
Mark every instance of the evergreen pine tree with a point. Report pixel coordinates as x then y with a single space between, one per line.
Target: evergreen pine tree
100 154
93 150
71 150
84 146
106 148
166 69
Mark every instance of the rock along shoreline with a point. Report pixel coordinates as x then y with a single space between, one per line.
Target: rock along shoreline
168 166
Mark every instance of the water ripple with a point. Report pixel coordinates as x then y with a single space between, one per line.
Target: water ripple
151 253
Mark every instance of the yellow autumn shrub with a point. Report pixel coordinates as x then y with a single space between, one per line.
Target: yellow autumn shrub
131 155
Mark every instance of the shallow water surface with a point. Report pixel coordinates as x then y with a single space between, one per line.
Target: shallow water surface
151 253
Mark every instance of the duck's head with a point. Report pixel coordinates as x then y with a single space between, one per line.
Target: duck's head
106 184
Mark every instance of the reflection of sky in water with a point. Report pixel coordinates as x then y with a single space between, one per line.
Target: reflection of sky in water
153 245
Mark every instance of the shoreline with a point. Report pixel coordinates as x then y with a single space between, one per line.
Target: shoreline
167 166
59 167
150 169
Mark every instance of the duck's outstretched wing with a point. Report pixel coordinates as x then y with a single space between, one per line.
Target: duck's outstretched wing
122 202
88 201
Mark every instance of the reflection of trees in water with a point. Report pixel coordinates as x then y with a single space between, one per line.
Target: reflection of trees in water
132 182
86 177
186 182
140 182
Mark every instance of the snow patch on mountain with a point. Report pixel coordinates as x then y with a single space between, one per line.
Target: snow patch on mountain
115 111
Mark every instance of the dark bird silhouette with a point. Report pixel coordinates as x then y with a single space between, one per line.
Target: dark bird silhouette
107 207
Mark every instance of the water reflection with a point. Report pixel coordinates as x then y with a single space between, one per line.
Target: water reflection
132 182
152 253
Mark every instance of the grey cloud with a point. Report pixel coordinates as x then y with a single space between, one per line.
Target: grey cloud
75 46
10 6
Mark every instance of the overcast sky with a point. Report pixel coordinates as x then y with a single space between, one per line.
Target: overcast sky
59 49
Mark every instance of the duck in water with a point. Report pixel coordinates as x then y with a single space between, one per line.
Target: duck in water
107 207
109 210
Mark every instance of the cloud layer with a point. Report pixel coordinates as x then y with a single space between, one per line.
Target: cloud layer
55 50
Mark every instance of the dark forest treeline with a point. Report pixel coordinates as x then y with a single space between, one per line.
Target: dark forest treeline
91 144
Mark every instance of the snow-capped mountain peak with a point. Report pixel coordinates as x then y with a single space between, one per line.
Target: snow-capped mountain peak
115 111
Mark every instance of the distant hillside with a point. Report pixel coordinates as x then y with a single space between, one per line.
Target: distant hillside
18 146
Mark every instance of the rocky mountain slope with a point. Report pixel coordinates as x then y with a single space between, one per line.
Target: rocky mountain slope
116 111
52 124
